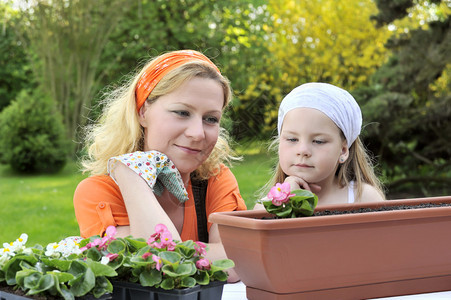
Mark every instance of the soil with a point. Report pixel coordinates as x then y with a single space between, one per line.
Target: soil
387 208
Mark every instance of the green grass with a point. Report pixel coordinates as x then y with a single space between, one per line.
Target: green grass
42 207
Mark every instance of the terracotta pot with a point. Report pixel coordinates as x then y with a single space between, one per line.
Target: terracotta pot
349 256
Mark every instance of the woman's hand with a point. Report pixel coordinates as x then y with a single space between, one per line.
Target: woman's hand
157 170
299 183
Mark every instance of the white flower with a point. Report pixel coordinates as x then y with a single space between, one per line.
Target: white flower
64 248
105 260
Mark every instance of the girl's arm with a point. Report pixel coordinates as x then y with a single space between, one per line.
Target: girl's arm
144 211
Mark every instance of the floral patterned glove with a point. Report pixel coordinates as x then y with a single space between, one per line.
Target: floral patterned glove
156 169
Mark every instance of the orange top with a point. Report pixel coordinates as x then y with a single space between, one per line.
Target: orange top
98 204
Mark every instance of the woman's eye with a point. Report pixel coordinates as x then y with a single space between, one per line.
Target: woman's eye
318 142
181 113
211 120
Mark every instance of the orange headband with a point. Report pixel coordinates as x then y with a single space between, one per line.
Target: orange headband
160 67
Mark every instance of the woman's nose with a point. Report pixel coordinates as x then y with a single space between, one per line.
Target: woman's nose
195 129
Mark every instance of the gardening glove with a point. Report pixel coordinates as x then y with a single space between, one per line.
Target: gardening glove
156 169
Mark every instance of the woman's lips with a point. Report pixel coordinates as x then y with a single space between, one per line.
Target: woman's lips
189 150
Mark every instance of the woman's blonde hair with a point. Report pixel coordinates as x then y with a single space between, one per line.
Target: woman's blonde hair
118 130
358 168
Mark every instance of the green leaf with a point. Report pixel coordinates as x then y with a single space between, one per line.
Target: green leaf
202 277
14 265
84 280
103 286
94 254
168 284
30 281
188 282
222 264
150 278
116 246
220 275
44 283
185 251
63 276
169 257
100 269
135 244
62 265
185 269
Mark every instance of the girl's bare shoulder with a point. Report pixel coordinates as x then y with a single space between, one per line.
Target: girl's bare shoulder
371 194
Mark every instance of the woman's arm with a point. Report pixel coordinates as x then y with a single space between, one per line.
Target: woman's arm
144 211
217 251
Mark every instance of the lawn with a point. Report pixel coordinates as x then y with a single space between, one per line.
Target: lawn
41 205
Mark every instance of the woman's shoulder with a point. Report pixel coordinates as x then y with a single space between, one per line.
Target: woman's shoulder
224 174
95 184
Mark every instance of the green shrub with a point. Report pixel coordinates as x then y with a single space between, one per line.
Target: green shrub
32 135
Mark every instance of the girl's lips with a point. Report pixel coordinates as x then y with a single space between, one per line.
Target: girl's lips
303 166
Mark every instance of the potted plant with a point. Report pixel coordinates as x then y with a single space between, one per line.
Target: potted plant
348 251
57 271
159 268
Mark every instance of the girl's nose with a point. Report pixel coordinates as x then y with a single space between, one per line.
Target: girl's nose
195 129
304 149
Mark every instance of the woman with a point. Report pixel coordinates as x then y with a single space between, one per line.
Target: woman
157 138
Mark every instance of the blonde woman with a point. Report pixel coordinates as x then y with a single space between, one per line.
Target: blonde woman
158 151
319 148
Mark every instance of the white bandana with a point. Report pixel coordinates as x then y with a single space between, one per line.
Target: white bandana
336 103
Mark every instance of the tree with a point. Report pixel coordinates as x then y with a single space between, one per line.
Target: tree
15 73
409 100
323 40
68 38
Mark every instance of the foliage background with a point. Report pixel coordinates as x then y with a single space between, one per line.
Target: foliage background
393 56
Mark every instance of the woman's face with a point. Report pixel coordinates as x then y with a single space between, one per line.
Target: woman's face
184 124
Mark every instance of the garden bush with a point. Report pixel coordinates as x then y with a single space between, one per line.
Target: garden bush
32 137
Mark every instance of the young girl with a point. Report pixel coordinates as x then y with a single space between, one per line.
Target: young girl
319 146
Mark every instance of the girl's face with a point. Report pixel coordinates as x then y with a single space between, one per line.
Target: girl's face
311 145
184 124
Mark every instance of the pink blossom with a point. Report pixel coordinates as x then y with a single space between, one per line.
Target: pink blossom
146 255
112 256
157 259
201 248
159 230
280 193
203 264
165 241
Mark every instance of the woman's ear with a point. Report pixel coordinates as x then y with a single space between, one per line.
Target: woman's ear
142 115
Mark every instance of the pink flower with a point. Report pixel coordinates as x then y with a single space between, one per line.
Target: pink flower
280 193
157 259
159 229
203 264
201 248
112 256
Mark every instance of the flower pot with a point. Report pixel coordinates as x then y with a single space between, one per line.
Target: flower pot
134 291
348 256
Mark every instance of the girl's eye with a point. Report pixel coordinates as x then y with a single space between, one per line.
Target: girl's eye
182 113
211 120
318 142
293 140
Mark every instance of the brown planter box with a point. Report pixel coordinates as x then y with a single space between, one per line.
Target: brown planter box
351 256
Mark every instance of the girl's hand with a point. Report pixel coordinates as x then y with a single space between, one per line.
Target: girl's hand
299 183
